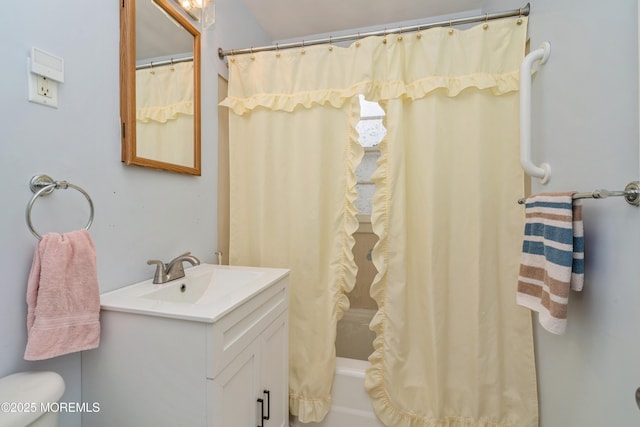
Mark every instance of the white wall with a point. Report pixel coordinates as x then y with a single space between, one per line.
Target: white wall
139 213
585 121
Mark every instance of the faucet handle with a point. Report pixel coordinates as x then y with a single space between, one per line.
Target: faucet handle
160 270
156 261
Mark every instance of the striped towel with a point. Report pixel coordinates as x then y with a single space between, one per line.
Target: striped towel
552 257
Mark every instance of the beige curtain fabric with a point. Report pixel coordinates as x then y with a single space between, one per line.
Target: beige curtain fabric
292 188
452 347
164 114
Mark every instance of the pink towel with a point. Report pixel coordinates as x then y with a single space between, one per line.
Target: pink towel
63 298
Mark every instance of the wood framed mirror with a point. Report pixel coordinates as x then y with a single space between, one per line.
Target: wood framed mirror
159 87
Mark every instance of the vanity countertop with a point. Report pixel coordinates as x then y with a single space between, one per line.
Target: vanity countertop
205 294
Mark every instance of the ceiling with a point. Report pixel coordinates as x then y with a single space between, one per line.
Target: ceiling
282 20
158 35
294 19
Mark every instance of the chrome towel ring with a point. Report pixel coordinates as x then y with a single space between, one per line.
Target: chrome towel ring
43 185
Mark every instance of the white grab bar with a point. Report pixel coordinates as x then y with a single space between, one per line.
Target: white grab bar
544 170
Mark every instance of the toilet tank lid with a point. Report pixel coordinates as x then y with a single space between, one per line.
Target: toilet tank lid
29 387
32 387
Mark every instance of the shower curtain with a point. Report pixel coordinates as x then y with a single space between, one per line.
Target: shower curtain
164 114
452 349
292 158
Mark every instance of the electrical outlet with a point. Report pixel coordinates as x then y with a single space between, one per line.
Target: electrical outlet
42 90
43 86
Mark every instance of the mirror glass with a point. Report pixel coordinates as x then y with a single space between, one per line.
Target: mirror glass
159 87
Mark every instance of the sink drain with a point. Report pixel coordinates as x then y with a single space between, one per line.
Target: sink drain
183 288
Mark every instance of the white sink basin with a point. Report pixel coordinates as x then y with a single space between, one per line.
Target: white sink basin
206 292
185 291
197 285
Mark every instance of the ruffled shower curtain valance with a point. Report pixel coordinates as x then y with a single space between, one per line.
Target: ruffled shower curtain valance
408 66
164 113
452 348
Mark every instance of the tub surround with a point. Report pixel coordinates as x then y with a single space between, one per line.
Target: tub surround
354 339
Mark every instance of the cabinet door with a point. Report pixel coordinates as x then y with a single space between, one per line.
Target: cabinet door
275 371
235 391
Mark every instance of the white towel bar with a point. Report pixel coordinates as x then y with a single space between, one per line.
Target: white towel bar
544 170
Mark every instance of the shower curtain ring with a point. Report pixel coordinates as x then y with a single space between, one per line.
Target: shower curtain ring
253 57
303 51
450 28
519 21
277 51
400 35
330 44
486 18
419 35
384 35
358 40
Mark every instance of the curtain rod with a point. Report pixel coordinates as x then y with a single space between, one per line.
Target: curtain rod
524 11
165 62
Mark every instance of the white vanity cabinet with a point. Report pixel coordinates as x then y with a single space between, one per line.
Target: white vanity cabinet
258 371
227 370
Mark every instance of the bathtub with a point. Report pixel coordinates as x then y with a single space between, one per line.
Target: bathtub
350 404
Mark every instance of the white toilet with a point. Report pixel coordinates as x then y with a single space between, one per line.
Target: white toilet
26 396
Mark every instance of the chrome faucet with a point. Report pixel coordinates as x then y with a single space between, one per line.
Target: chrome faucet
173 269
